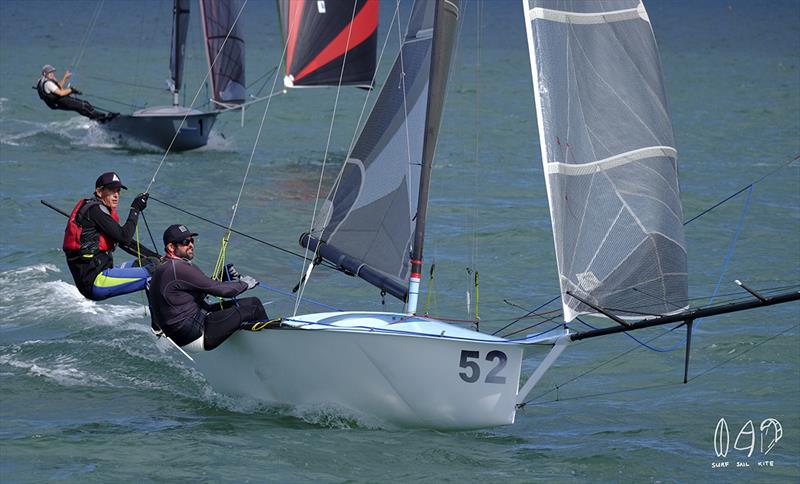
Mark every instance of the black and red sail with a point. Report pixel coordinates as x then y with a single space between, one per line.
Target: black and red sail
321 35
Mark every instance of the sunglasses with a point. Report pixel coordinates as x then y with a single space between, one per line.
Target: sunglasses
186 242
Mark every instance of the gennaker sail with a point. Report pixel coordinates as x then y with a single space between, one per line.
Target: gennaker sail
322 35
224 42
609 157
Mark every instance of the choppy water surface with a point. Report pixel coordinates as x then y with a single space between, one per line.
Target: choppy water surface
88 395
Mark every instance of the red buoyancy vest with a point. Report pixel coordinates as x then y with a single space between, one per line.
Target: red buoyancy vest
72 234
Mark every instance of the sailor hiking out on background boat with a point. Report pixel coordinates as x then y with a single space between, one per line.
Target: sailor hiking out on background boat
177 298
92 234
56 96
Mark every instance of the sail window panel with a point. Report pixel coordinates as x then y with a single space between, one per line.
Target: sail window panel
603 94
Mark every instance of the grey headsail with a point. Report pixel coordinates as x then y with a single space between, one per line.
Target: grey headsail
609 157
366 225
219 19
180 17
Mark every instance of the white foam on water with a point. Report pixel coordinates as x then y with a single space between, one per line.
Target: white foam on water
63 370
217 142
30 293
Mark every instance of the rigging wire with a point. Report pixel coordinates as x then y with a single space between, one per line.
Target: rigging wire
220 265
79 56
243 234
701 374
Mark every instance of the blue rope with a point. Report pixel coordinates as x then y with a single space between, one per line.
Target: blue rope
267 287
725 265
732 246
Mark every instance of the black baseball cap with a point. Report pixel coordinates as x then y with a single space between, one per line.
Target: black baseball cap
177 233
109 180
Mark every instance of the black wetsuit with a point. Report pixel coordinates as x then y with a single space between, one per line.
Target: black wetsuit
68 102
85 264
177 299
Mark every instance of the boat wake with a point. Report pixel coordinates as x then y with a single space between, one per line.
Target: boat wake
76 131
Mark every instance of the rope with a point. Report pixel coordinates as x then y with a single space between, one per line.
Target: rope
219 267
243 234
305 274
155 247
224 244
770 173
194 99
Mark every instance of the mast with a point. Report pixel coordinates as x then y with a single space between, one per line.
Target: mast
180 17
444 28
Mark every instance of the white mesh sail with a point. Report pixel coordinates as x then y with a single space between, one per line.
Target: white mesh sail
609 157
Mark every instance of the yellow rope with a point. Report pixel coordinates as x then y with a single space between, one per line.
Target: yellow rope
219 267
139 258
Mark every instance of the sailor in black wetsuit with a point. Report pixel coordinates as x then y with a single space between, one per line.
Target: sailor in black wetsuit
56 96
92 234
177 298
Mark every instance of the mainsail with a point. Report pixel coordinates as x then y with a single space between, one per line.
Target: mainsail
367 223
321 34
219 19
609 157
180 17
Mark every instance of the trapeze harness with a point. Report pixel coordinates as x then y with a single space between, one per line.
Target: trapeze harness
49 98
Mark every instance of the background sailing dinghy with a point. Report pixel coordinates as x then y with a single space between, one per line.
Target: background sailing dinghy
181 128
611 176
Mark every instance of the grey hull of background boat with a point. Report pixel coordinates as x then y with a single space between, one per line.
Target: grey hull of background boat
157 126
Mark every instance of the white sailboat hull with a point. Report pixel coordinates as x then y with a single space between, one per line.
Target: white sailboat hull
396 372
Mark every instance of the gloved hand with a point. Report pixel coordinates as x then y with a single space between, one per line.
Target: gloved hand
251 282
76 91
232 273
140 202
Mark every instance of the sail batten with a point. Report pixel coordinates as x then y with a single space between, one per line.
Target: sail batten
609 157
588 17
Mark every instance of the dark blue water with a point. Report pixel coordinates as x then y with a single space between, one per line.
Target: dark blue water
88 395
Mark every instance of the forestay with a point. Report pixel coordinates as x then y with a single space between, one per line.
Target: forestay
366 222
609 157
322 35
224 42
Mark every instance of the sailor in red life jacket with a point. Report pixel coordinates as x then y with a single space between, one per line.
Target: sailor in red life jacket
56 96
177 298
92 234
